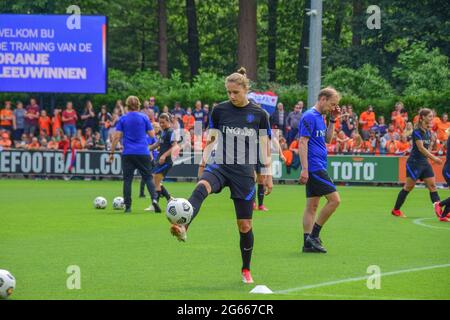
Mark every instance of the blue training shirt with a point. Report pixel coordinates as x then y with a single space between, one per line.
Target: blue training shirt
313 126
134 126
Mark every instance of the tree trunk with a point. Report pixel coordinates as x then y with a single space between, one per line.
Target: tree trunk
143 48
302 72
357 23
247 55
162 55
340 12
193 46
272 45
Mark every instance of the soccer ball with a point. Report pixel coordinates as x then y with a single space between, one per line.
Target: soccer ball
118 203
179 211
7 284
100 203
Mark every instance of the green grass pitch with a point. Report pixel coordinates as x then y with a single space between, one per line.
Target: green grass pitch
47 226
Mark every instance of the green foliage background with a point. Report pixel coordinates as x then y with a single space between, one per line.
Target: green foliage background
407 59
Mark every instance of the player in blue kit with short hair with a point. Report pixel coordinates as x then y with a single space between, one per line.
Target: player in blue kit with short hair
133 128
313 155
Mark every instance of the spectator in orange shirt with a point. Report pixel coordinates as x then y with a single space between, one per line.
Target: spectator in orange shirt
77 144
5 141
342 142
34 145
416 119
188 119
396 112
44 123
331 147
293 147
6 117
53 144
373 143
392 146
287 154
436 121
56 121
442 127
358 145
367 121
399 121
403 146
80 141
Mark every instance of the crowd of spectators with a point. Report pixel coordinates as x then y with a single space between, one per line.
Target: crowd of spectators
363 134
32 128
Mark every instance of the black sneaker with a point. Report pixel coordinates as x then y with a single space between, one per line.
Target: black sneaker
314 245
142 196
156 206
127 210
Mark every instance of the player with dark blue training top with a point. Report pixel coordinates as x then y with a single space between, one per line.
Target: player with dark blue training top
417 165
313 156
166 145
443 210
233 164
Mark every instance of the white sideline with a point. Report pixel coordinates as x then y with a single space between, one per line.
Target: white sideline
330 283
419 223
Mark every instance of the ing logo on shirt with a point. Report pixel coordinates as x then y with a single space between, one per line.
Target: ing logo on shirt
320 133
250 118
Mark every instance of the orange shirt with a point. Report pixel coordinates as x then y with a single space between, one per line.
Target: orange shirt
5 113
53 145
56 124
392 146
44 124
77 144
289 156
440 130
436 122
403 146
294 145
369 118
5 143
33 146
399 123
362 147
188 122
337 125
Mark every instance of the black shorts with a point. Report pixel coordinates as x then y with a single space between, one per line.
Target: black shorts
319 184
446 173
419 171
242 190
241 187
162 168
258 168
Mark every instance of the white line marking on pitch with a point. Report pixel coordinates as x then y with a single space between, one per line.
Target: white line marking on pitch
419 223
331 283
